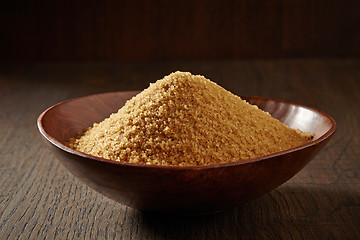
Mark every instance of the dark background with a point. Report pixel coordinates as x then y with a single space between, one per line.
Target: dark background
114 30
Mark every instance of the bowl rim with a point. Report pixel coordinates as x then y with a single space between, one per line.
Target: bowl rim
67 149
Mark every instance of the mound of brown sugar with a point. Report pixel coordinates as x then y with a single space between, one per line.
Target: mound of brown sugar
186 119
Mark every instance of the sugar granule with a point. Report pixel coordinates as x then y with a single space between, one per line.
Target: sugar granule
187 120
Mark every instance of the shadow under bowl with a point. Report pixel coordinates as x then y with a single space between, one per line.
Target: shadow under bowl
173 189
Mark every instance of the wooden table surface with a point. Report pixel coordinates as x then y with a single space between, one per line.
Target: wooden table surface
39 199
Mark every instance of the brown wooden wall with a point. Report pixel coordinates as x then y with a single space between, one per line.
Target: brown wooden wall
115 30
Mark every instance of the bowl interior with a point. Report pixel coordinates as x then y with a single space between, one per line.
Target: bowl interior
68 118
296 116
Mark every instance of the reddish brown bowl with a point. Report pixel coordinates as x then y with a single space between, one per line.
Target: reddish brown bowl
184 190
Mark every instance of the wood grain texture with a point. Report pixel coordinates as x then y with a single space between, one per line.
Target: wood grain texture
63 30
39 199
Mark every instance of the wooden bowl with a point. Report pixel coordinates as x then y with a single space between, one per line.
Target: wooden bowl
173 189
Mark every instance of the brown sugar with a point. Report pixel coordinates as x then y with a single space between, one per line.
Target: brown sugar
186 119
